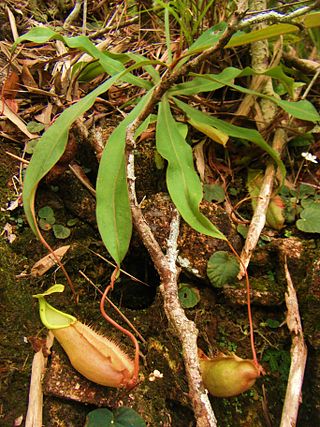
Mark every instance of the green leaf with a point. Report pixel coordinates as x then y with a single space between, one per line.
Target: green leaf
211 82
121 417
183 183
306 191
127 417
189 296
233 131
312 20
51 146
207 39
310 219
72 222
101 417
275 73
35 127
222 268
214 192
201 84
242 230
302 109
110 65
149 68
60 231
31 145
273 323
212 132
46 212
45 225
113 207
270 31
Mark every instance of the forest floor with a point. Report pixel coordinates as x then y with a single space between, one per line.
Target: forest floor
220 313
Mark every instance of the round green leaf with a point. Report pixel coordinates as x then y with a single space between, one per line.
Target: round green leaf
310 219
222 268
188 295
121 417
31 145
35 127
127 417
101 417
272 323
214 192
44 224
46 212
72 222
60 231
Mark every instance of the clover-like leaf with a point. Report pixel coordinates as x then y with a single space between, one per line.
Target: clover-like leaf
222 268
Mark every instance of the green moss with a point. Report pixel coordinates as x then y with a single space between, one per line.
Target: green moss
17 321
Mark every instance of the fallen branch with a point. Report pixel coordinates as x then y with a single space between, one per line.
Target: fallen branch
298 356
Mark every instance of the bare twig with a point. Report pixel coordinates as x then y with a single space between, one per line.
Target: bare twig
34 413
73 14
186 331
298 356
259 217
276 17
167 269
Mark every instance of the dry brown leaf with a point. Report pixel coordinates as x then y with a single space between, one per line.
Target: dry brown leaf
27 78
45 263
14 118
45 116
200 161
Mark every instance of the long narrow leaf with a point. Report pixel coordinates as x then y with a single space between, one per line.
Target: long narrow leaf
207 39
211 82
113 208
183 183
312 20
275 30
110 65
201 84
52 145
232 130
302 109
